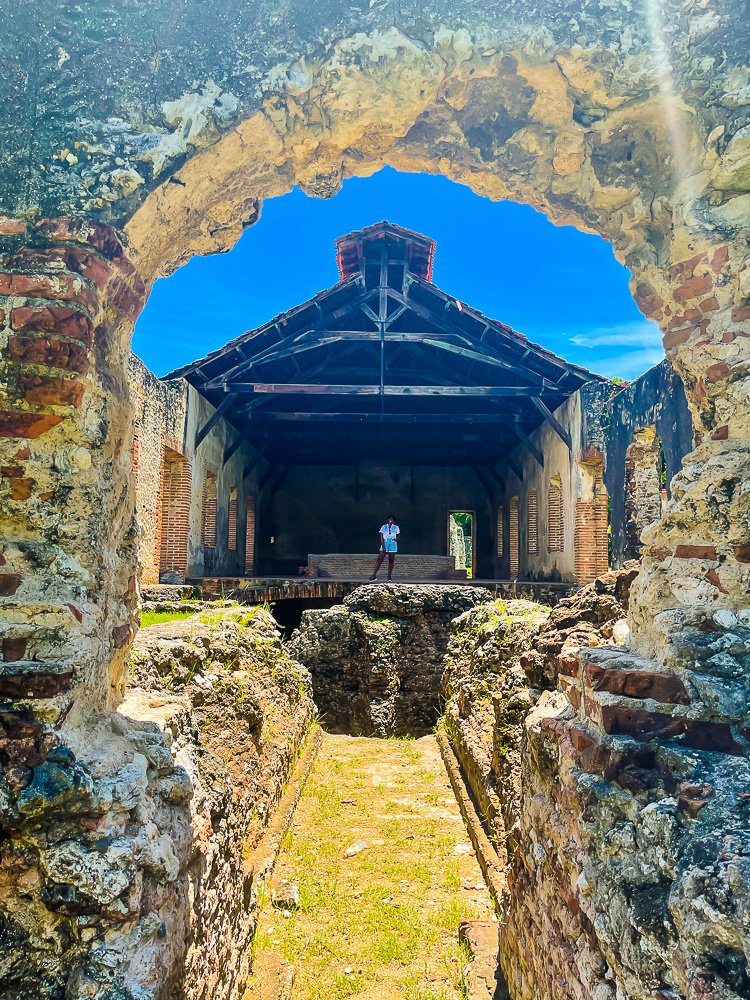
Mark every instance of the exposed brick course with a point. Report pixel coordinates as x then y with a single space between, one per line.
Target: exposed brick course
49 351
53 319
695 552
50 391
26 425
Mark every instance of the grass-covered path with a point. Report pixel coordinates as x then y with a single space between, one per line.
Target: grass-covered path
377 921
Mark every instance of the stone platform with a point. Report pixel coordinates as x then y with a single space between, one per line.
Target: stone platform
358 566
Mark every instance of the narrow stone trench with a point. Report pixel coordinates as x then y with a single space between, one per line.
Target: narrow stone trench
372 880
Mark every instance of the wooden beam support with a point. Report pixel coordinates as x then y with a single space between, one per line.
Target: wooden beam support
552 421
444 324
485 484
500 482
297 458
515 469
213 420
528 444
349 417
464 352
228 452
322 320
511 391
270 471
277 483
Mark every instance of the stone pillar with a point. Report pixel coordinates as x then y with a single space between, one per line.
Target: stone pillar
68 300
696 560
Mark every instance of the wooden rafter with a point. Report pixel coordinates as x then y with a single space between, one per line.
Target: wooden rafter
349 417
213 420
228 452
528 444
552 421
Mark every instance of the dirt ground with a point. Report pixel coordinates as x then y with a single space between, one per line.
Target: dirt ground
385 872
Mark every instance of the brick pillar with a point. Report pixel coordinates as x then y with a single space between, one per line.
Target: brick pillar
592 522
68 300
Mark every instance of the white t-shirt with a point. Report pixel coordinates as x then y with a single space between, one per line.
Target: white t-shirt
389 533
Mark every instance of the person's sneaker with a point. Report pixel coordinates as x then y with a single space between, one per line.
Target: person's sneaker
389 580
372 579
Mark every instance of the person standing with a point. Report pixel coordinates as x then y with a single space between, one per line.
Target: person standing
389 535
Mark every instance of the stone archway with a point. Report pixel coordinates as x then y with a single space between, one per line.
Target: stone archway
586 135
603 123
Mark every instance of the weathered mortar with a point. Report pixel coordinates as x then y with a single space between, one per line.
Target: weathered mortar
623 829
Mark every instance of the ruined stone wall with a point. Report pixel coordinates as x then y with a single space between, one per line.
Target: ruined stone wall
624 121
136 833
614 799
628 874
656 398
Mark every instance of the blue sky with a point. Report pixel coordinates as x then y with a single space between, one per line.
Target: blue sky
561 288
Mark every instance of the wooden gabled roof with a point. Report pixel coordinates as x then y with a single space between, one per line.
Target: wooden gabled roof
384 355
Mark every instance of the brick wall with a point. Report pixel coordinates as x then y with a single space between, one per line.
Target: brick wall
174 520
160 411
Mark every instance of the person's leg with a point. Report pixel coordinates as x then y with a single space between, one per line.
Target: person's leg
391 561
378 563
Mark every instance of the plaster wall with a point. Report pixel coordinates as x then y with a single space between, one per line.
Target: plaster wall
558 461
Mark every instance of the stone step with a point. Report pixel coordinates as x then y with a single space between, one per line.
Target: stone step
34 679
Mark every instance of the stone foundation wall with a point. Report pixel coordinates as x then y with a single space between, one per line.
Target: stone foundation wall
616 798
377 659
127 872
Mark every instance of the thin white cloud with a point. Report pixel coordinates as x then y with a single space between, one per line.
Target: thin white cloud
639 334
625 350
